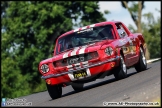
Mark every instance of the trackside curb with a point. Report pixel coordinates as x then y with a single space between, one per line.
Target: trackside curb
152 60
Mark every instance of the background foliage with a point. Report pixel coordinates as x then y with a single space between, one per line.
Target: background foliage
28 33
29 29
151 30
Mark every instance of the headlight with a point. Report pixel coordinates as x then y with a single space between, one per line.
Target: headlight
44 68
109 51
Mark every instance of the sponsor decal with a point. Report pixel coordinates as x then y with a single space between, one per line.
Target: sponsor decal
133 49
90 29
130 49
85 30
126 50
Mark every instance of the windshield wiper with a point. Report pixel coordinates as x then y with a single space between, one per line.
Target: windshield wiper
104 38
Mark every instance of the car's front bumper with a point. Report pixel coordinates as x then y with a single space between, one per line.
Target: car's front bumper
90 66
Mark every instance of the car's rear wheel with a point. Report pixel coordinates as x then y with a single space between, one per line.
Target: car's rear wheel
142 64
77 86
55 91
121 71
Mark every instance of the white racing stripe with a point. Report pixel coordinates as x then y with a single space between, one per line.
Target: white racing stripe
65 55
74 51
92 25
88 72
84 27
70 67
76 30
71 76
82 50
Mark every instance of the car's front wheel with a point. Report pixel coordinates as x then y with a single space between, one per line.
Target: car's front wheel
121 71
142 64
77 86
55 91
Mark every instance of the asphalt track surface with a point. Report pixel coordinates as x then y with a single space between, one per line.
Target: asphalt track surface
137 87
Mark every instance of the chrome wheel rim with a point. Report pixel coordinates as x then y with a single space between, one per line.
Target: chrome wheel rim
123 65
143 56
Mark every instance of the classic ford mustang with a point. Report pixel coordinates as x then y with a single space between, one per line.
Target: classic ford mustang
94 51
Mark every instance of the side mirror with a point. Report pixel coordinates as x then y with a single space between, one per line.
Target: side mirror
122 34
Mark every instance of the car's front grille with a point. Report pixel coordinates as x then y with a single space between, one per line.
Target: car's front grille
76 59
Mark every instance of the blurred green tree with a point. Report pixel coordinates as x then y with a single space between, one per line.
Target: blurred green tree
152 32
28 31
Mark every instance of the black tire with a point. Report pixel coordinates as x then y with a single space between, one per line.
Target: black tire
55 91
142 64
77 86
120 72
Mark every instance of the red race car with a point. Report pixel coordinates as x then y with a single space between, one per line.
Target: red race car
94 51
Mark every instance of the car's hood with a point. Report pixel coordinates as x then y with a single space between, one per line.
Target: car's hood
78 50
81 50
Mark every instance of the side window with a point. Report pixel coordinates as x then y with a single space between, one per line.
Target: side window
106 32
122 33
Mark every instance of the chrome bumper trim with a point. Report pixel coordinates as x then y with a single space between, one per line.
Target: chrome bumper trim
92 65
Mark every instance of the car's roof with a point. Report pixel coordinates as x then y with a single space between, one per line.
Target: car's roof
88 26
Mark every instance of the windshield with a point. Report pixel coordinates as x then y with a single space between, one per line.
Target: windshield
84 37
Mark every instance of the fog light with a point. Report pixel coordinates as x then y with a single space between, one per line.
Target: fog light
112 64
48 81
